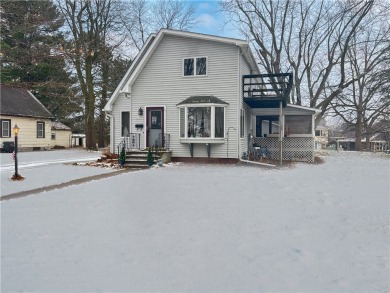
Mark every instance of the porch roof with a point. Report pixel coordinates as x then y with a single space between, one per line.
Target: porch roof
202 100
289 110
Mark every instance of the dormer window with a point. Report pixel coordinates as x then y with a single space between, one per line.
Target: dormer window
195 66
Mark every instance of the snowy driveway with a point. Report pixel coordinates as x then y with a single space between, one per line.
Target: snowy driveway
206 228
43 168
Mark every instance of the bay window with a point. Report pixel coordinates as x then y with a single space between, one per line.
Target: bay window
202 119
202 122
199 122
219 122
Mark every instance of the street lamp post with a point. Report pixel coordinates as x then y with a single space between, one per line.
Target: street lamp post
16 131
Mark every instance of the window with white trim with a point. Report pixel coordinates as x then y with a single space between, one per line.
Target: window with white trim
195 66
202 122
182 122
125 124
5 128
242 123
40 129
219 122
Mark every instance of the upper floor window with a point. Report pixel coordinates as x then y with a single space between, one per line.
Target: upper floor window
40 129
195 66
5 128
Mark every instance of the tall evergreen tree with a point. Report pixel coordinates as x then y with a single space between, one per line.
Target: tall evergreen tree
31 55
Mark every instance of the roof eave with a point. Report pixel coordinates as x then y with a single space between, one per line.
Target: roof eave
316 111
126 77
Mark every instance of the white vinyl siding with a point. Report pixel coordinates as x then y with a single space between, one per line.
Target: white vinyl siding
162 83
247 119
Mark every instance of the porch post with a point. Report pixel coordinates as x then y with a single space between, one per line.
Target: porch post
281 128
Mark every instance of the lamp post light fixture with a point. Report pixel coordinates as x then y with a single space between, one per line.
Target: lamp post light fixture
16 176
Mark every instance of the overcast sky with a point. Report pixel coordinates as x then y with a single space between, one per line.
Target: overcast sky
212 21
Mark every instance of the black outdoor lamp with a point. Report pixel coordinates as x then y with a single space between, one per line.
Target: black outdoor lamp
16 131
140 111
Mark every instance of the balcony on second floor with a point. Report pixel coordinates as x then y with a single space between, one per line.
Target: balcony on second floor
267 90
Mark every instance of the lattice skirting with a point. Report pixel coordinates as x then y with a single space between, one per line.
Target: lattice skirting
294 148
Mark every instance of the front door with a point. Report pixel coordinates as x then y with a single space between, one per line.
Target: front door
155 126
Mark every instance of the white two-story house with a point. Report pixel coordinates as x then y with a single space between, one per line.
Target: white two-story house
201 96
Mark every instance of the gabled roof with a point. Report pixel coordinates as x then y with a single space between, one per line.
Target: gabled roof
59 126
153 42
20 102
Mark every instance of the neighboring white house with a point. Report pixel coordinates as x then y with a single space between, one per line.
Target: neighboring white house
203 96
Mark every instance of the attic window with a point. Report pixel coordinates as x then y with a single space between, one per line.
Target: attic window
195 66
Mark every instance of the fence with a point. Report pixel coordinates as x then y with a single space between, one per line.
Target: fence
294 148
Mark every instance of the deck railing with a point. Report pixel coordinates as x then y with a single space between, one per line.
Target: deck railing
131 142
266 90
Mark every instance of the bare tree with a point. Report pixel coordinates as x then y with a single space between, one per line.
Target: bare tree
311 38
138 21
173 14
144 17
366 102
92 38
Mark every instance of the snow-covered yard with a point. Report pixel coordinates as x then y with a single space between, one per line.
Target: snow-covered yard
44 168
206 228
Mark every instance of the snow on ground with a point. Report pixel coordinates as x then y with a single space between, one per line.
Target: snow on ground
46 168
206 228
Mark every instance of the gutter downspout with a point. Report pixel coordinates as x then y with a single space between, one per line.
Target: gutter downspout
240 98
257 163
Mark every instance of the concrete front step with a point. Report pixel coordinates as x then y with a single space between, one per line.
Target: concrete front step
138 159
135 166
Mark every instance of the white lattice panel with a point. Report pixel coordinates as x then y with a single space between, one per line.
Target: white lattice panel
294 148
